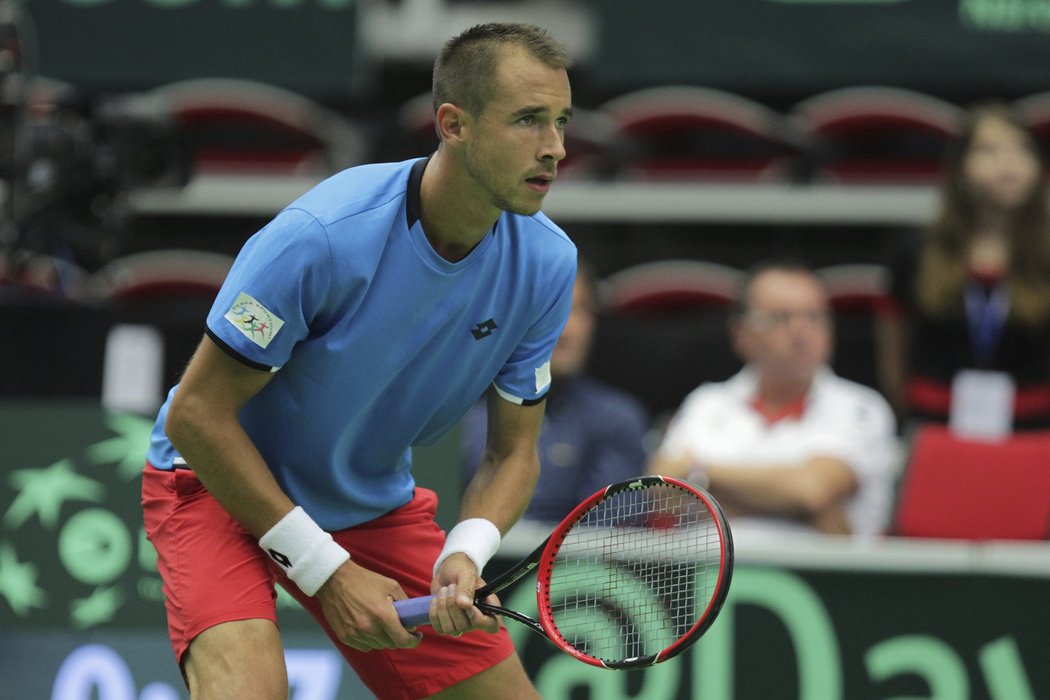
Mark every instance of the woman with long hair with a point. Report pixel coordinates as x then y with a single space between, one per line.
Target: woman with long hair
974 292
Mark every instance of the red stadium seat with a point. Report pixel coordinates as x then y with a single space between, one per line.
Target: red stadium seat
670 285
965 489
591 146
162 274
856 293
246 127
876 135
855 286
683 132
169 290
663 330
415 126
1035 110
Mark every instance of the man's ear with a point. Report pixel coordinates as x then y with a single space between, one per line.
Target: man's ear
450 122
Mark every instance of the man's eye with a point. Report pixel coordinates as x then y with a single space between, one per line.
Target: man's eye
528 119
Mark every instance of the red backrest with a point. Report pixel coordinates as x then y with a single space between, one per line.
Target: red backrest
966 489
874 134
686 132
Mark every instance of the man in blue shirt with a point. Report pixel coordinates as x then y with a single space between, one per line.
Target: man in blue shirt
365 319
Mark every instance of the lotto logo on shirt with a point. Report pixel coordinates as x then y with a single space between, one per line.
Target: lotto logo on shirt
253 319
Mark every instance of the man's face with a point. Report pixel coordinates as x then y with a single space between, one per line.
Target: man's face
570 353
786 331
517 140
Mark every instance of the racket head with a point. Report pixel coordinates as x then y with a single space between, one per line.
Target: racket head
636 573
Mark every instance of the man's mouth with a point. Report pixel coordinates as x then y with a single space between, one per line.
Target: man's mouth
541 183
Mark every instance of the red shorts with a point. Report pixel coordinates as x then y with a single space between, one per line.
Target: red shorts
214 571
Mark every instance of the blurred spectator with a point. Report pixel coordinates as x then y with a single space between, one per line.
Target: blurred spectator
592 433
974 292
785 444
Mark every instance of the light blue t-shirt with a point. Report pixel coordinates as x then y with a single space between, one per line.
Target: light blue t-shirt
376 342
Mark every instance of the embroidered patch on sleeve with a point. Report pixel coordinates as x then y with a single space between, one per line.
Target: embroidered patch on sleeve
543 376
253 319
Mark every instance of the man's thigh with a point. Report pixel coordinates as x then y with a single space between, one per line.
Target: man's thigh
234 660
506 679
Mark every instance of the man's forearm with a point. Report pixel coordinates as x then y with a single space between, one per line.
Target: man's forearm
230 467
501 490
803 490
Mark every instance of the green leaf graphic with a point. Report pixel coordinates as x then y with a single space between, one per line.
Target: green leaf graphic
43 491
128 448
18 582
99 607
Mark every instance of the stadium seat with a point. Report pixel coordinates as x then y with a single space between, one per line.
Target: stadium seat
965 489
1035 110
245 127
856 293
682 132
876 134
415 127
663 330
170 290
666 286
592 149
159 274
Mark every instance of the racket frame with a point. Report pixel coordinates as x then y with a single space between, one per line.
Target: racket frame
544 555
553 543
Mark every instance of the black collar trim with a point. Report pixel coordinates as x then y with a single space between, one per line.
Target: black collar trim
413 209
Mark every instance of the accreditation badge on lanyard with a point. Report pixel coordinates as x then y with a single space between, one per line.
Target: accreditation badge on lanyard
982 402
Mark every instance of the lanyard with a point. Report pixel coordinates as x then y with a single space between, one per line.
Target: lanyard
986 312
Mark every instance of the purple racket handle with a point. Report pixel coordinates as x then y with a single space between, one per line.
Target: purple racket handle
414 611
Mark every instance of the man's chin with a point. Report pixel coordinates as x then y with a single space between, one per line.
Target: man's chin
524 210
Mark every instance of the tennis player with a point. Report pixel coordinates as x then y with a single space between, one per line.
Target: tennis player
364 319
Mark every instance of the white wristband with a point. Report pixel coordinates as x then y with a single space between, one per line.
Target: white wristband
478 538
308 554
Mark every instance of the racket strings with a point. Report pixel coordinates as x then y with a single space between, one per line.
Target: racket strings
636 573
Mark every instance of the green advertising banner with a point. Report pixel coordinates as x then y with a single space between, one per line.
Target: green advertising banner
81 610
804 46
126 45
73 550
765 46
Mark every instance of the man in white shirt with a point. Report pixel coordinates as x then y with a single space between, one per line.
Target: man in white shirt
786 445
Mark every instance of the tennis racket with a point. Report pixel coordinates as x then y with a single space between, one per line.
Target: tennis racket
632 577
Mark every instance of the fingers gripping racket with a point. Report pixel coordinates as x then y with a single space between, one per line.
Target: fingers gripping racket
632 577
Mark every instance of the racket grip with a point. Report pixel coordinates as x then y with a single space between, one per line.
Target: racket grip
414 611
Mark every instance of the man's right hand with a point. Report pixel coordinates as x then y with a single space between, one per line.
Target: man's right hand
357 605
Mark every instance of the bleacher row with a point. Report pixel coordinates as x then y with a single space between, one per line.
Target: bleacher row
865 134
662 331
663 326
857 135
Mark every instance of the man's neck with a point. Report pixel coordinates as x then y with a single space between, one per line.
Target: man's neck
775 395
453 217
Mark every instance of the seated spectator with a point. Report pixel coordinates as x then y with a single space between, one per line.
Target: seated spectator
785 445
592 433
971 298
